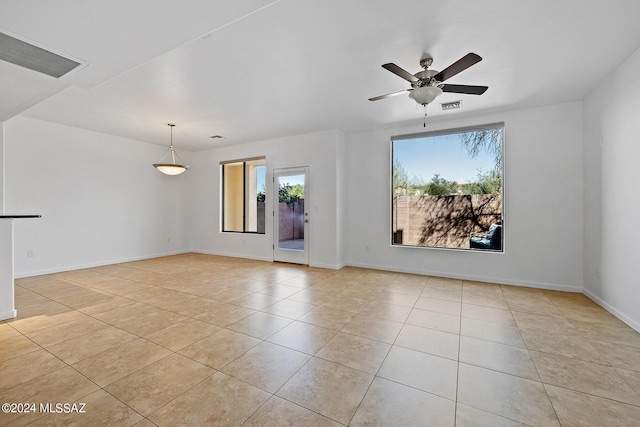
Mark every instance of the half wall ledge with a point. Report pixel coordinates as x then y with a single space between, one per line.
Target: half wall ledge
7 294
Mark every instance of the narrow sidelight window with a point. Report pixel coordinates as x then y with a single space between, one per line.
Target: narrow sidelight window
243 195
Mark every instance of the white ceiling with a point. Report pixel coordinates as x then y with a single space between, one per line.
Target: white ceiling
259 69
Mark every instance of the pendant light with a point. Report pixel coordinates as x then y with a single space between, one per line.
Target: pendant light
172 168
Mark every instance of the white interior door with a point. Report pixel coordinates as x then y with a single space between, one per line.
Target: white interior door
291 215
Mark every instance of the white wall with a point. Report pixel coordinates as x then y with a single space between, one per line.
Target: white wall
2 167
571 198
316 150
100 199
103 189
612 195
342 186
561 229
543 204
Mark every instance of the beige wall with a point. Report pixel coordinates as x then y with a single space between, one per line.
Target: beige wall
233 193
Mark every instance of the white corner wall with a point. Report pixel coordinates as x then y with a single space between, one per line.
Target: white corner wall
342 185
100 199
612 202
317 150
543 204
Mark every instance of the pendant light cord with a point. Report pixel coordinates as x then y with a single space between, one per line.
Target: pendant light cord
173 156
171 150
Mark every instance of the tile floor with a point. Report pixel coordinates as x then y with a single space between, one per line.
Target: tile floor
205 340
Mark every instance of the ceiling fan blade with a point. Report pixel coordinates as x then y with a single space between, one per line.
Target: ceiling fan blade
389 95
400 72
471 90
460 65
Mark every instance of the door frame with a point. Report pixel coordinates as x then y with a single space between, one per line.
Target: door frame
282 254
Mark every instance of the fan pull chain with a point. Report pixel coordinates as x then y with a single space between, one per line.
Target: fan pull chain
424 123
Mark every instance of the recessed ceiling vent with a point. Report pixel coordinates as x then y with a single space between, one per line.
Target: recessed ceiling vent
34 58
454 105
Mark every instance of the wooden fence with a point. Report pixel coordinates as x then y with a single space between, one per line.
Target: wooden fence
291 224
443 221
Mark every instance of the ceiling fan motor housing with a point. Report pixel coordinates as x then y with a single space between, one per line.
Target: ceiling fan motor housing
426 89
426 62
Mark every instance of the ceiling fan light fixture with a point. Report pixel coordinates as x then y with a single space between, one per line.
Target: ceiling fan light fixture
172 168
427 85
425 95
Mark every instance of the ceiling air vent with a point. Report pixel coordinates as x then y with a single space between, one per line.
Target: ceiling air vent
35 58
446 106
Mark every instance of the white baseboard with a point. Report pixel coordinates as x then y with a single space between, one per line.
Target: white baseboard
611 309
318 265
257 258
10 314
231 255
327 266
95 264
617 313
502 281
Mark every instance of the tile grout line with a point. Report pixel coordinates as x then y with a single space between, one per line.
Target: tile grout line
532 361
379 367
100 388
103 388
455 404
552 301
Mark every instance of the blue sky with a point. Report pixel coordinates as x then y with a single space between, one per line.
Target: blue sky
293 180
443 155
425 157
260 175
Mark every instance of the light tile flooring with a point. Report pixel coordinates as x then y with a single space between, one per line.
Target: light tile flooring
204 340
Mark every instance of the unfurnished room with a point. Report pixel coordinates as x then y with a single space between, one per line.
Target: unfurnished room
319 213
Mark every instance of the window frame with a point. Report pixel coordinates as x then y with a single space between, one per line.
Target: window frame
444 132
244 162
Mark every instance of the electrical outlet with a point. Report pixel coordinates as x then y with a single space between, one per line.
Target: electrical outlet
168 239
30 253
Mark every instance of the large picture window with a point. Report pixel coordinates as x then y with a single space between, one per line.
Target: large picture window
243 195
447 189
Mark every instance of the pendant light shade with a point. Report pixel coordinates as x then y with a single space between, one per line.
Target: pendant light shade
172 168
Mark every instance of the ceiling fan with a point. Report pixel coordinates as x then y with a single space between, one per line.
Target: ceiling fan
427 85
